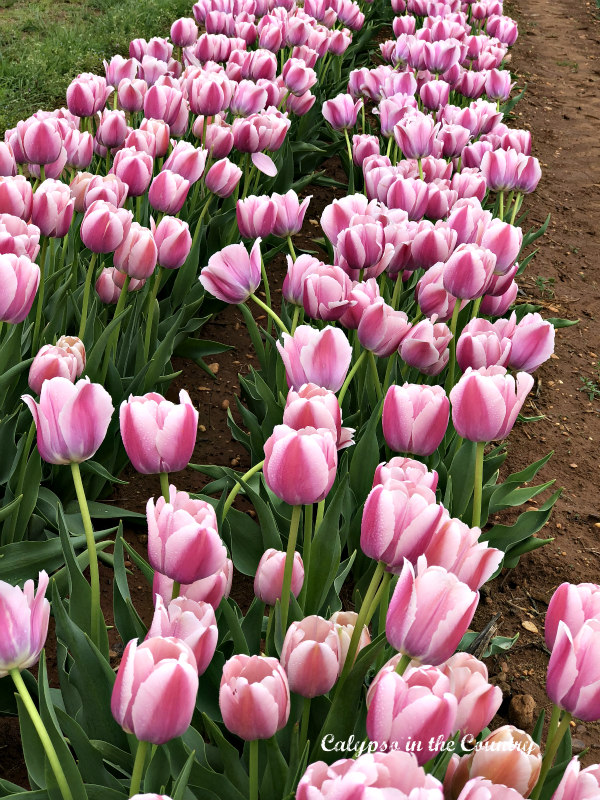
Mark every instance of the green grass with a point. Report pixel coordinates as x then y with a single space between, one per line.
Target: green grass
44 44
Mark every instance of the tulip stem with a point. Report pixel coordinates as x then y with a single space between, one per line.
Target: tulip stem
382 598
114 337
320 514
175 591
501 206
86 294
388 371
289 563
516 207
40 299
138 768
164 486
555 737
350 164
403 664
350 375
476 307
478 485
40 728
421 175
397 291
233 493
375 375
306 548
304 725
367 610
452 361
253 769
270 312
291 246
295 319
150 317
92 553
265 278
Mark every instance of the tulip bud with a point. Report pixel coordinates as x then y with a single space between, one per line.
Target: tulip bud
310 656
137 254
256 216
268 580
52 209
173 240
312 356
222 178
104 227
24 625
415 418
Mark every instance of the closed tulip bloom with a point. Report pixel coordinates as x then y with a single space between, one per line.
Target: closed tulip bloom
189 621
254 697
110 282
344 623
71 419
300 465
187 161
8 164
18 238
363 146
406 469
222 178
297 77
468 271
431 296
361 297
154 695
363 247
41 141
431 245
532 343
507 755
434 94
415 135
482 344
425 347
184 32
207 590
375 776
79 146
290 213
248 99
577 783
168 192
74 347
137 254
504 240
52 208
104 227
500 169
415 418
134 168
482 789
315 407
25 614
87 94
325 292
165 103
573 604
478 700
119 68
312 356
381 328
109 188
161 132
429 612
293 283
50 362
573 678
342 111
112 128
337 215
268 581
173 241
231 274
16 197
415 707
159 436
256 216
310 656
498 306
131 94
485 403
529 174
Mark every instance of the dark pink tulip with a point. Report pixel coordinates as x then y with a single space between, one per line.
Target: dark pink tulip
415 707
345 623
573 604
456 547
372 775
256 216
161 133
325 292
154 695
207 590
168 192
71 419
159 436
8 164
312 356
429 612
16 197
425 346
222 178
432 244
119 68
109 188
485 403
498 85
173 240
406 469
219 141
577 783
52 208
381 329
41 141
52 362
164 103
296 273
184 32
415 135
137 254
310 656
112 128
189 621
290 213
315 407
87 94
363 246
573 670
415 418
131 94
482 344
468 271
231 274
362 295
254 697
300 465
134 168
110 282
398 522
478 700
298 77
342 111
268 581
434 94
104 227
24 626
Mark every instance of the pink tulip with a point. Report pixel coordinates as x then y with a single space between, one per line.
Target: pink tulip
456 547
415 418
434 94
468 271
297 76
51 362
431 296
254 697
52 209
134 168
344 623
431 245
109 188
268 580
207 590
24 627
40 140
315 407
190 622
573 675
19 238
577 783
231 274
415 707
131 93
187 161
342 111
429 612
504 240
325 292
222 178
159 436
482 789
337 215
532 343
20 279
87 94
312 356
573 604
425 347
110 282
248 98
154 695
119 68
184 32
529 174
71 419
485 403
363 146
137 254
104 227
290 213
173 241
415 135
405 469
74 347
362 247
16 197
478 700
373 776
112 128
381 329
256 216
168 192
482 344
310 656
497 306
300 466
362 296
8 164
297 271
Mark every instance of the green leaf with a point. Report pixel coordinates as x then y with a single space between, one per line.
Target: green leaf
180 785
365 458
98 469
560 322
234 627
462 476
127 620
505 537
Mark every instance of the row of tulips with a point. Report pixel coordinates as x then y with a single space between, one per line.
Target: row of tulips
357 364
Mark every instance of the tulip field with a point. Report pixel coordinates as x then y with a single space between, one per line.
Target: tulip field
330 210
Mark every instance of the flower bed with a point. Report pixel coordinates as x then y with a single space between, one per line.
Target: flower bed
389 377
